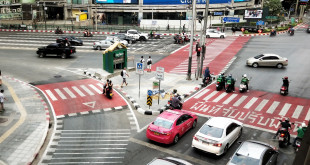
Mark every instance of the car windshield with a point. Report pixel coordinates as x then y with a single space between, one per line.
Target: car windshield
239 159
211 131
160 122
258 56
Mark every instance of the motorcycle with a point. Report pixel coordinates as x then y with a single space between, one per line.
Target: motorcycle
58 31
283 137
297 144
170 106
229 86
291 32
207 81
88 34
273 33
242 87
284 91
220 84
178 39
109 93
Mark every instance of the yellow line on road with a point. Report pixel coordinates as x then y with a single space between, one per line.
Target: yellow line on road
170 152
22 112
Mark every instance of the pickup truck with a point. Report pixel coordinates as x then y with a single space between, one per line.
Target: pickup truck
57 49
135 34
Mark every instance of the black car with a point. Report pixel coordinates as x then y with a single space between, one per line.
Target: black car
130 40
308 30
71 39
57 49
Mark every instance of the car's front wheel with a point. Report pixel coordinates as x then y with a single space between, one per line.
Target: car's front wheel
255 65
41 55
225 149
222 36
207 36
63 55
176 139
98 48
130 42
142 39
279 66
194 124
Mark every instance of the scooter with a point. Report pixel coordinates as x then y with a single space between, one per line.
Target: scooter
297 144
109 93
170 106
220 84
88 34
283 136
273 33
229 86
59 31
284 90
207 81
242 87
290 32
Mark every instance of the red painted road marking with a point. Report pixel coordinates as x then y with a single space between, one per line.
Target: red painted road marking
79 96
255 108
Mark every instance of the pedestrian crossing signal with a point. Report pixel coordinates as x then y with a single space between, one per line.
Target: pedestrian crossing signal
149 100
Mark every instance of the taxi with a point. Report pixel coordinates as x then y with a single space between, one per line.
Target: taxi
170 125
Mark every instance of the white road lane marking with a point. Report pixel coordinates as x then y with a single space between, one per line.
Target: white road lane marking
60 94
261 105
307 118
95 88
51 95
285 108
199 94
250 103
237 103
273 107
210 95
297 111
69 92
87 90
78 91
220 97
230 98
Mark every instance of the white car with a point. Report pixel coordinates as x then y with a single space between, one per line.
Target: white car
217 135
104 44
116 39
135 34
213 33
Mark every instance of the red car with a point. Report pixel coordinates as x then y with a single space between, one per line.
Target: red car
170 125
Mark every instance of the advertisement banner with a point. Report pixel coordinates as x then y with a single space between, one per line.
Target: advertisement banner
181 2
118 1
253 14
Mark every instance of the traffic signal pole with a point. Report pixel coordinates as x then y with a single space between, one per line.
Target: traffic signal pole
191 43
203 39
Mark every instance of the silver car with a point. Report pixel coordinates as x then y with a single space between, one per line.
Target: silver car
168 161
104 44
267 60
254 153
116 39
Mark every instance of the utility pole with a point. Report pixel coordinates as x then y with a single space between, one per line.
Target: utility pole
72 15
203 38
96 22
191 43
44 15
296 8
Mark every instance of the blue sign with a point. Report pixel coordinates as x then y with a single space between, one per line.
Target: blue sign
150 92
181 2
231 19
260 23
139 65
218 13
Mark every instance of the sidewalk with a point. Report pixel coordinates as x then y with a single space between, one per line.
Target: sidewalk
24 123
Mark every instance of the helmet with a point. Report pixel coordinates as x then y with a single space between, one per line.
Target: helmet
175 91
230 75
303 125
222 74
287 119
244 75
286 78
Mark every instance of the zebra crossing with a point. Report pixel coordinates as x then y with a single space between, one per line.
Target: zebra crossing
106 146
35 40
79 96
253 107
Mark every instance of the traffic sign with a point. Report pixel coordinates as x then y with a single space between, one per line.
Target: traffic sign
149 92
160 73
149 100
260 23
139 68
231 19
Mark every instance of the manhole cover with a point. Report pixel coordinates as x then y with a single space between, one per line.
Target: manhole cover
3 120
57 76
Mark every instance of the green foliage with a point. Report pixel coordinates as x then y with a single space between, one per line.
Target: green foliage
245 32
275 6
266 30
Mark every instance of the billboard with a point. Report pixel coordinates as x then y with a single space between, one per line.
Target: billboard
253 14
181 2
118 1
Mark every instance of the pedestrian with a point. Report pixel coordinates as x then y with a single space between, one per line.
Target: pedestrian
142 60
184 28
0 79
149 64
124 74
2 98
218 29
233 31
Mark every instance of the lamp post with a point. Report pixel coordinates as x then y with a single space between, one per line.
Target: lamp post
44 9
180 15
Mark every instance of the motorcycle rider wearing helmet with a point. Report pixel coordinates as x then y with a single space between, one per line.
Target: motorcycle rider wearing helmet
287 125
300 132
222 75
246 81
206 74
285 82
232 80
176 102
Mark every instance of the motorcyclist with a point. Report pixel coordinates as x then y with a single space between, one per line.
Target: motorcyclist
232 81
105 86
245 80
285 82
291 30
287 125
222 75
300 132
206 75
176 102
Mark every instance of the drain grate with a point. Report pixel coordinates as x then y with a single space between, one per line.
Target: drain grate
57 76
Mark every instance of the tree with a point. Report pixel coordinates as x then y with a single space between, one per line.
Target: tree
275 6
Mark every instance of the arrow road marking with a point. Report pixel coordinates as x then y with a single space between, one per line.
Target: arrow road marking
90 104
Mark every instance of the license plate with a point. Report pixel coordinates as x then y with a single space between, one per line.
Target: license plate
281 138
156 133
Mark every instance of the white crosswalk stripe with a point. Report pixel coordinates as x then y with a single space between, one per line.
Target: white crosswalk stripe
201 93
78 91
210 95
250 103
261 105
285 108
95 88
220 97
227 101
307 118
87 90
69 92
51 95
60 94
297 111
273 107
240 101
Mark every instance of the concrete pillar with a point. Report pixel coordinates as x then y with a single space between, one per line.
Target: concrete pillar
65 12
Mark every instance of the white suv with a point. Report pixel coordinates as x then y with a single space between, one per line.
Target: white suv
135 34
213 33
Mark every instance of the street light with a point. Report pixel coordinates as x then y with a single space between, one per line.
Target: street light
180 15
